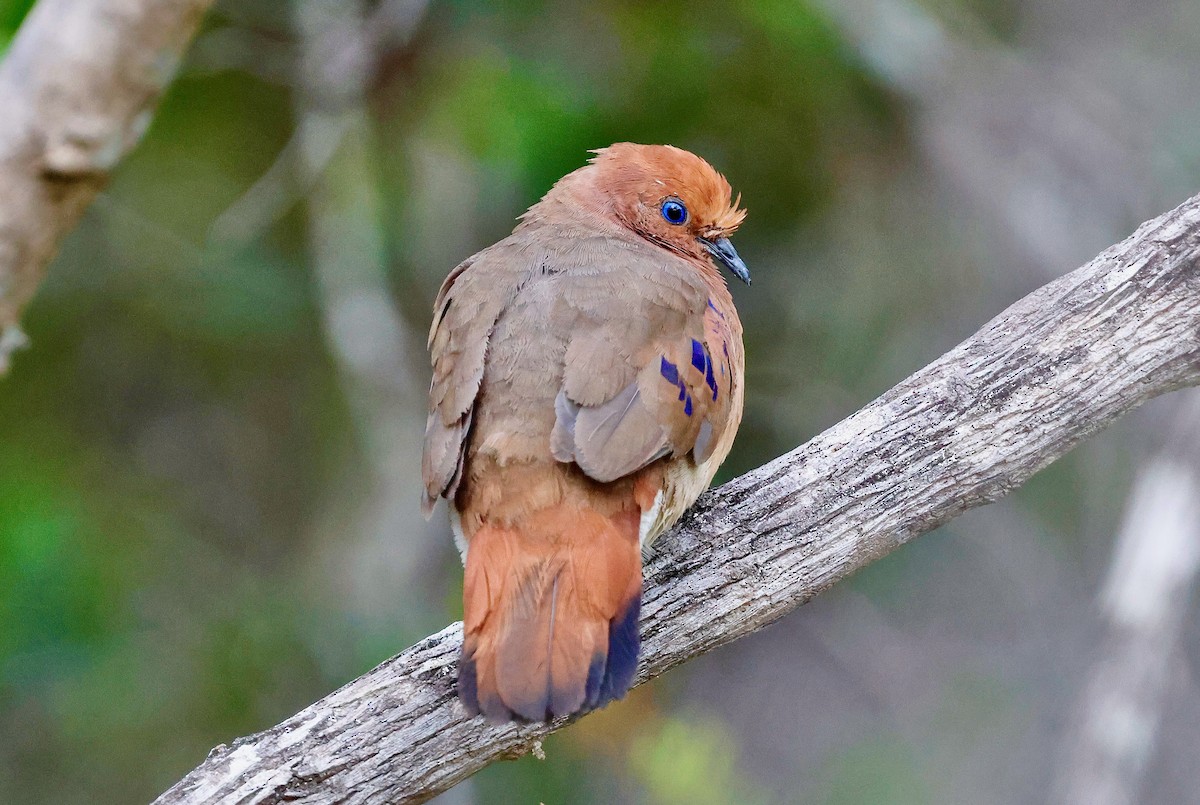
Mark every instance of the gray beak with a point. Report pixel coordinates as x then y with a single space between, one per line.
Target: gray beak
724 253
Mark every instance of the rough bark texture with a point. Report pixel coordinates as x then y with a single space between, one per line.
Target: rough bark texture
78 88
1054 368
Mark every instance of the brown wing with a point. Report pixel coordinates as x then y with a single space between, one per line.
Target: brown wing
651 377
609 351
467 307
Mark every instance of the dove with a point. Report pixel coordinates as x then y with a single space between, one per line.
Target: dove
587 383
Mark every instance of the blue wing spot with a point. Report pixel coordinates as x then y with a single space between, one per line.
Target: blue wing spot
669 371
714 307
699 357
711 380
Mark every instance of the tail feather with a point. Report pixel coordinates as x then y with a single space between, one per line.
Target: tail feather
623 645
550 616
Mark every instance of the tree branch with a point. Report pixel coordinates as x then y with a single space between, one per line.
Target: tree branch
77 89
1054 368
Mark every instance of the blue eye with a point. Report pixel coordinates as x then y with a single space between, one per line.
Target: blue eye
674 211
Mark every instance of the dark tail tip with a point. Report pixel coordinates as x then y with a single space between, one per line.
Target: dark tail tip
624 643
608 679
489 704
468 692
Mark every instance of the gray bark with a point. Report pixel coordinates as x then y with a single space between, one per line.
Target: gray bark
1051 370
78 88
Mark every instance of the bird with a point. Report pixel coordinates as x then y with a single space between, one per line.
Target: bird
587 383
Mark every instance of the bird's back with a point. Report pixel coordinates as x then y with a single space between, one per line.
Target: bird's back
592 296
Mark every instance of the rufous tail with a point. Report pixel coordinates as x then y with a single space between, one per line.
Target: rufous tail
550 615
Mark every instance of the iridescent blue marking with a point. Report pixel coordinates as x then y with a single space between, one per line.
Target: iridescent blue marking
714 307
669 371
699 356
711 380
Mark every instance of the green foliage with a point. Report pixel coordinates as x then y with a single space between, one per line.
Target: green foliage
689 762
55 594
11 14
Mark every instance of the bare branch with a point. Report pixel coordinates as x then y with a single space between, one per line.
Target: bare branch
78 88
337 166
336 73
1051 370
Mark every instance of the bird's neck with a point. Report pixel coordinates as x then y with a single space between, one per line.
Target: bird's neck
574 199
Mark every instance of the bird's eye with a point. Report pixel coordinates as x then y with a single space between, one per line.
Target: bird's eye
674 211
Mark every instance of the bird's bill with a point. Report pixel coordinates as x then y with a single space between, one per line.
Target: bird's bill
724 253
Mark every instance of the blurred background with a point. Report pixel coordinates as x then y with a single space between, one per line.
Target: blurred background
209 458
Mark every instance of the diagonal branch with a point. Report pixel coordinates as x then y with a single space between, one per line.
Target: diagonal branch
78 87
1051 370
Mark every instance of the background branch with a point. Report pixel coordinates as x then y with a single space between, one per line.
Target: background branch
1144 603
338 172
1054 368
78 88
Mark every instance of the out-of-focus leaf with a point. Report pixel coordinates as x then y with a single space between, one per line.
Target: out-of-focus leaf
690 762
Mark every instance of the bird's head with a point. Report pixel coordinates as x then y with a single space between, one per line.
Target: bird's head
673 198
